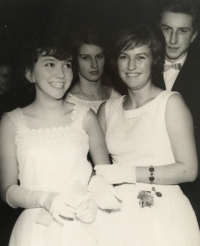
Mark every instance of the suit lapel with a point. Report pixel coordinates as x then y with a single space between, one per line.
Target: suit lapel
183 77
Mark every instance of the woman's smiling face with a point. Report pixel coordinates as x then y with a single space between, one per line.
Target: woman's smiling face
51 76
134 66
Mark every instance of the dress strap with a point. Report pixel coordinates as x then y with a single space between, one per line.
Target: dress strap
78 115
17 118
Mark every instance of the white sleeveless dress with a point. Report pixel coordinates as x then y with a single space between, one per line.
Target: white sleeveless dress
51 160
94 105
139 137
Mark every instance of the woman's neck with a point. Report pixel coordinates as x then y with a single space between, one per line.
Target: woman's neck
90 88
138 98
90 91
47 106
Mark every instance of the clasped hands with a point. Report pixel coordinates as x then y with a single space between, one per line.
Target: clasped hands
63 207
101 193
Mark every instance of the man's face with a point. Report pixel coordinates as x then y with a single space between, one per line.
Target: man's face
179 33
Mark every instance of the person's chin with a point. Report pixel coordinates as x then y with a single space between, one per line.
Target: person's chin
94 78
173 55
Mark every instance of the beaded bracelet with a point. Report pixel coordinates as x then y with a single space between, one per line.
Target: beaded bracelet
151 178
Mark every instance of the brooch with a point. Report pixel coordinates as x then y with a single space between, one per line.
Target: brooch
147 197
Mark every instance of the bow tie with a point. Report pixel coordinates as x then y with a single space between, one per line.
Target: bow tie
176 66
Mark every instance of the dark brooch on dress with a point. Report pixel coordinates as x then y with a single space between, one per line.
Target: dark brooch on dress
147 197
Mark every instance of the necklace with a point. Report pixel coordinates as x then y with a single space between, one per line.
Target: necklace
96 107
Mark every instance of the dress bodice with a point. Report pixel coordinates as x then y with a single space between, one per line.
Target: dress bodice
52 159
94 105
139 137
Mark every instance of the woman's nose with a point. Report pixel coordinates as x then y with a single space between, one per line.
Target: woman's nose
131 64
94 63
60 73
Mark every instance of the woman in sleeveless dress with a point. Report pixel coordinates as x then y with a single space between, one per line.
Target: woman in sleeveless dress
89 88
149 134
44 147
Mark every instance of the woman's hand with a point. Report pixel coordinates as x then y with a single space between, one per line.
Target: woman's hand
87 211
60 207
117 174
104 194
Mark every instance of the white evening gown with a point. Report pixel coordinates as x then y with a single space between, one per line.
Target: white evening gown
51 160
139 137
94 105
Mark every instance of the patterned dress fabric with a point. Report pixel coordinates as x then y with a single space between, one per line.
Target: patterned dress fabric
51 160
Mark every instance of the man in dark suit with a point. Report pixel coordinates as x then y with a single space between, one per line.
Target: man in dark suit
182 73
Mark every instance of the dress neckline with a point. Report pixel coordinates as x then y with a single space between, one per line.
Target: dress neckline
134 113
20 110
87 101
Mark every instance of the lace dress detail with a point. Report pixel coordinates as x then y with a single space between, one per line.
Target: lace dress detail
94 105
51 159
139 137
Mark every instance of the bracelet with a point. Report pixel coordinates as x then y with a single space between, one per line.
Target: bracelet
151 178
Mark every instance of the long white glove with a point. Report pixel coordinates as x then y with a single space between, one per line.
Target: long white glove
104 194
87 211
117 174
59 206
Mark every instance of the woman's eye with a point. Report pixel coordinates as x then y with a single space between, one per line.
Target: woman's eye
141 57
100 56
50 64
122 57
68 65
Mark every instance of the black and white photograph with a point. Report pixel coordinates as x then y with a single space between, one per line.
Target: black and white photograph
99 123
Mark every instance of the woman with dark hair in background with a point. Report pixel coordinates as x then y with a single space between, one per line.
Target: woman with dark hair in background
149 134
90 87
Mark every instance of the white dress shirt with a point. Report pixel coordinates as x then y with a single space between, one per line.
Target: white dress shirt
171 74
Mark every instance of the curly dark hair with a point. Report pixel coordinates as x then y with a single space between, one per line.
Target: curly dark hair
136 36
42 44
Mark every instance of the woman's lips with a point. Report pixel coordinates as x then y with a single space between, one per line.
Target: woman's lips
94 72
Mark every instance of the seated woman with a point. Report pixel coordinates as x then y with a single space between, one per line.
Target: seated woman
149 134
89 87
43 156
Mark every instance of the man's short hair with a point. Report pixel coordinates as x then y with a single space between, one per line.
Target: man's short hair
183 7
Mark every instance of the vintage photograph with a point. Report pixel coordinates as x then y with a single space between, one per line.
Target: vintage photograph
99 123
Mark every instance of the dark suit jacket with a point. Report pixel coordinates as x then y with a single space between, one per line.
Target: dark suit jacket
188 85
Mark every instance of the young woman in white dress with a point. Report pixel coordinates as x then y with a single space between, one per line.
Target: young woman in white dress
89 88
44 147
150 136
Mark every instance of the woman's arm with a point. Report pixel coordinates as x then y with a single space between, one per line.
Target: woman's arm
17 196
181 134
103 193
97 144
8 158
102 116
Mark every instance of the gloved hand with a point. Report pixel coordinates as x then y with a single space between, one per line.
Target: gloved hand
55 203
60 207
104 194
117 174
87 211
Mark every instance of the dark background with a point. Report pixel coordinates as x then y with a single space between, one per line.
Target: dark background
21 18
